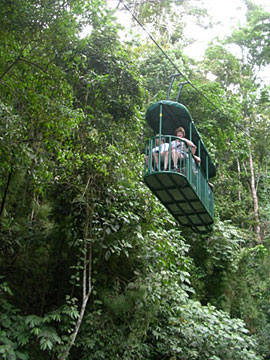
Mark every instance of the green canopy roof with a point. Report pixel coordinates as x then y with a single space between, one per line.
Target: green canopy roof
174 115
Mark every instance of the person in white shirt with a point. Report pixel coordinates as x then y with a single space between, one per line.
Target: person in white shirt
164 152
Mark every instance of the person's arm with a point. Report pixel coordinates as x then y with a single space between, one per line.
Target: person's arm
188 142
211 185
197 159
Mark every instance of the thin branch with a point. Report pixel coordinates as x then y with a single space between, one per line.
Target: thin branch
86 187
3 203
239 179
33 64
10 67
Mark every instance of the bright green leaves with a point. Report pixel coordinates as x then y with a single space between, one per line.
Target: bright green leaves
47 335
13 150
180 327
223 64
210 334
19 333
12 329
254 36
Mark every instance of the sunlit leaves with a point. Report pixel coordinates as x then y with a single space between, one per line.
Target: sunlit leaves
254 36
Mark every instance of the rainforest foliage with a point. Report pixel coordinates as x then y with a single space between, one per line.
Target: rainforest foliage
92 266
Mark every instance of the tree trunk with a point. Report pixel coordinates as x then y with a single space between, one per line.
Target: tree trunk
239 180
3 202
254 197
87 271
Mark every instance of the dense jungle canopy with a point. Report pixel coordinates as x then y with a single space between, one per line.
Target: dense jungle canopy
92 266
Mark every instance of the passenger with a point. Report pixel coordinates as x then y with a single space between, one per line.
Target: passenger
211 185
179 147
210 194
146 157
164 148
196 160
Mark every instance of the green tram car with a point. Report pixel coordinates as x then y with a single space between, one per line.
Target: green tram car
185 190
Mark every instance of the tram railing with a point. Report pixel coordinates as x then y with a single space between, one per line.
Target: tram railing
160 147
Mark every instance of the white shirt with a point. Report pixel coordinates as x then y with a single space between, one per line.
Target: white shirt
163 147
181 145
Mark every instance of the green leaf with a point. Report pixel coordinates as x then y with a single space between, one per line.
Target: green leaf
33 320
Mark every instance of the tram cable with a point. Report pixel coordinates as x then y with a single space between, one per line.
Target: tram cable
178 70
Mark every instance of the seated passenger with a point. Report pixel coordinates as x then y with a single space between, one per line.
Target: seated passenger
195 158
179 147
164 148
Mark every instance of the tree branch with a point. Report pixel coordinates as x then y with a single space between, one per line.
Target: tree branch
10 67
33 64
5 194
87 269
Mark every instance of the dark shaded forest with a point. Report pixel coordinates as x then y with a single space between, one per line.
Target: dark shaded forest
92 266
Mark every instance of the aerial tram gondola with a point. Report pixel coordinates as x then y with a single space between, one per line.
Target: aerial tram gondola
185 191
